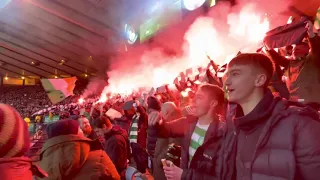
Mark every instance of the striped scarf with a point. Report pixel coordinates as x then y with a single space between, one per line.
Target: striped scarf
133 135
197 139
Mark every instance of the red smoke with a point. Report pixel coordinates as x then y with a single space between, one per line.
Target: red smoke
221 34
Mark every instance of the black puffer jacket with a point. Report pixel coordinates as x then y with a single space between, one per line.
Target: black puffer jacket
152 140
206 162
288 147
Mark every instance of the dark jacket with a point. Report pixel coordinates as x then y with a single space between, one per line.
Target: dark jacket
161 149
287 147
204 164
142 127
152 138
116 146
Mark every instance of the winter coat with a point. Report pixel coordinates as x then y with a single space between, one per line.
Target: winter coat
288 147
161 149
19 168
142 127
116 146
69 157
205 164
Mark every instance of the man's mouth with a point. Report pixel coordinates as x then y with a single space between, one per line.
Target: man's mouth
230 90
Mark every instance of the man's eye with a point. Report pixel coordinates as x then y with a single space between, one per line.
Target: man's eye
235 74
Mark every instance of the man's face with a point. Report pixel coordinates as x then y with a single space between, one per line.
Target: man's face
202 103
300 50
164 113
240 83
85 126
131 112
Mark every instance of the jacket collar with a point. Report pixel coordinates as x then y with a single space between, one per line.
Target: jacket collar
211 132
61 139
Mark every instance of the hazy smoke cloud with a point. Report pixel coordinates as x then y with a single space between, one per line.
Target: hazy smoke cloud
95 86
221 34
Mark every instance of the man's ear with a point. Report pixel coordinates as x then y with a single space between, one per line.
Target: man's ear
213 103
261 80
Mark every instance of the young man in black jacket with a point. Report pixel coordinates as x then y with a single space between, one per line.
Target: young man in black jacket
272 137
201 133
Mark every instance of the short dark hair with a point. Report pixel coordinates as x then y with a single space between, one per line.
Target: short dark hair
257 60
98 122
215 92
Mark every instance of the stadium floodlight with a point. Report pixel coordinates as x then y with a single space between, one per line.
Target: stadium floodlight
131 34
193 4
4 3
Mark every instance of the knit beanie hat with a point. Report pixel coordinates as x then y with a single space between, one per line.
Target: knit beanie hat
63 127
14 133
154 103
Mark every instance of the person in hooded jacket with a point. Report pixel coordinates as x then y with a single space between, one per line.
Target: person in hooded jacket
115 142
14 143
67 155
270 137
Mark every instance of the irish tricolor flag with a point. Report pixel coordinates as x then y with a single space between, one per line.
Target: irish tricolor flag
58 89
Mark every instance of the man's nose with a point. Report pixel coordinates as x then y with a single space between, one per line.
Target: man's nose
227 81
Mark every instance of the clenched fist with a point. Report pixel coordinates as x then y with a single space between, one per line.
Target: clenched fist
154 118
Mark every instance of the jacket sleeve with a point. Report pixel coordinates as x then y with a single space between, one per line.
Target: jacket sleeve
314 44
173 129
278 59
114 150
307 148
110 171
160 156
142 140
194 174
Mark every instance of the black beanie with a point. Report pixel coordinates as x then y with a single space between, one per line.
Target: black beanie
62 127
154 103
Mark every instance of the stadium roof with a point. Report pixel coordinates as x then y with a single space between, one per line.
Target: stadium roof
48 38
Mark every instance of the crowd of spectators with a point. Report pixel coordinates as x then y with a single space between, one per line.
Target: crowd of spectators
30 99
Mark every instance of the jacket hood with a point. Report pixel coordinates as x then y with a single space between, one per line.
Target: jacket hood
259 114
63 139
116 130
67 151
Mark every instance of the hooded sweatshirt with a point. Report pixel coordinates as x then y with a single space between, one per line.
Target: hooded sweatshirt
116 146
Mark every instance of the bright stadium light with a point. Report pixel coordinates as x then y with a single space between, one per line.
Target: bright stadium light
131 34
4 3
193 4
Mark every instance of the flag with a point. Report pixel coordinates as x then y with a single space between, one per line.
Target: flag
286 35
59 89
